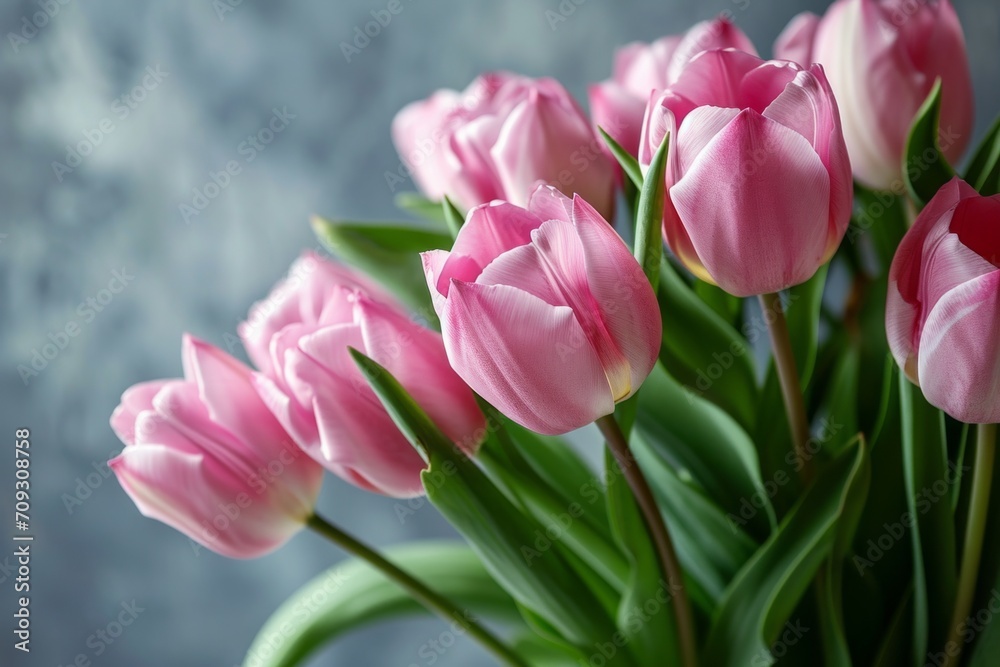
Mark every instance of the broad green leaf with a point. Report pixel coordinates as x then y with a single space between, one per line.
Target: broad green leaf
984 169
628 163
655 641
830 583
507 541
421 206
761 600
928 480
924 167
882 214
389 253
540 652
711 547
695 436
703 352
353 594
649 216
725 305
840 405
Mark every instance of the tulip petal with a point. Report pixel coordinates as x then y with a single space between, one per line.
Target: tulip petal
976 221
529 359
753 237
489 231
698 129
795 42
717 33
135 400
621 292
959 363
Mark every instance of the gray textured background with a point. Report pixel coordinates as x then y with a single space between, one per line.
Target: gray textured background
119 208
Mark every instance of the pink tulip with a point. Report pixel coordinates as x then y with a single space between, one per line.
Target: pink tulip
882 58
314 388
943 310
545 312
617 105
758 182
205 456
499 139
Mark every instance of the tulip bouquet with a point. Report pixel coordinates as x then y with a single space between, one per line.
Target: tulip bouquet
802 478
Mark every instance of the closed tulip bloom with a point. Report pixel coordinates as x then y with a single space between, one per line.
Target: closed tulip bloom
311 383
617 105
759 188
882 58
499 139
205 456
544 311
943 309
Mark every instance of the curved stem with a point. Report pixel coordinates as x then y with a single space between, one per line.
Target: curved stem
669 563
432 600
788 374
982 479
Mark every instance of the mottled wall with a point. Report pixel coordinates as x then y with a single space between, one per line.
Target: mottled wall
60 241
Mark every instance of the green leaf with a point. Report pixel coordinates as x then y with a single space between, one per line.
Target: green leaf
925 460
883 215
703 352
389 253
924 177
830 583
894 651
649 216
353 594
452 216
727 306
768 589
628 163
840 404
510 543
984 169
711 547
421 206
696 437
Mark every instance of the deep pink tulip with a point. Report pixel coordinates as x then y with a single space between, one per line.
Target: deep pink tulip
205 456
617 105
758 182
943 310
499 139
544 311
299 337
882 58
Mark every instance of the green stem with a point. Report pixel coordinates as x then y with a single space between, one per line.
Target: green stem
432 600
791 389
982 479
669 563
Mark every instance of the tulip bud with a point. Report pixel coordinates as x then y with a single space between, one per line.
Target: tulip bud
943 308
758 182
300 338
882 58
499 139
544 311
205 456
617 104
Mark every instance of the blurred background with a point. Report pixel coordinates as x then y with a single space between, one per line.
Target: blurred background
169 93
